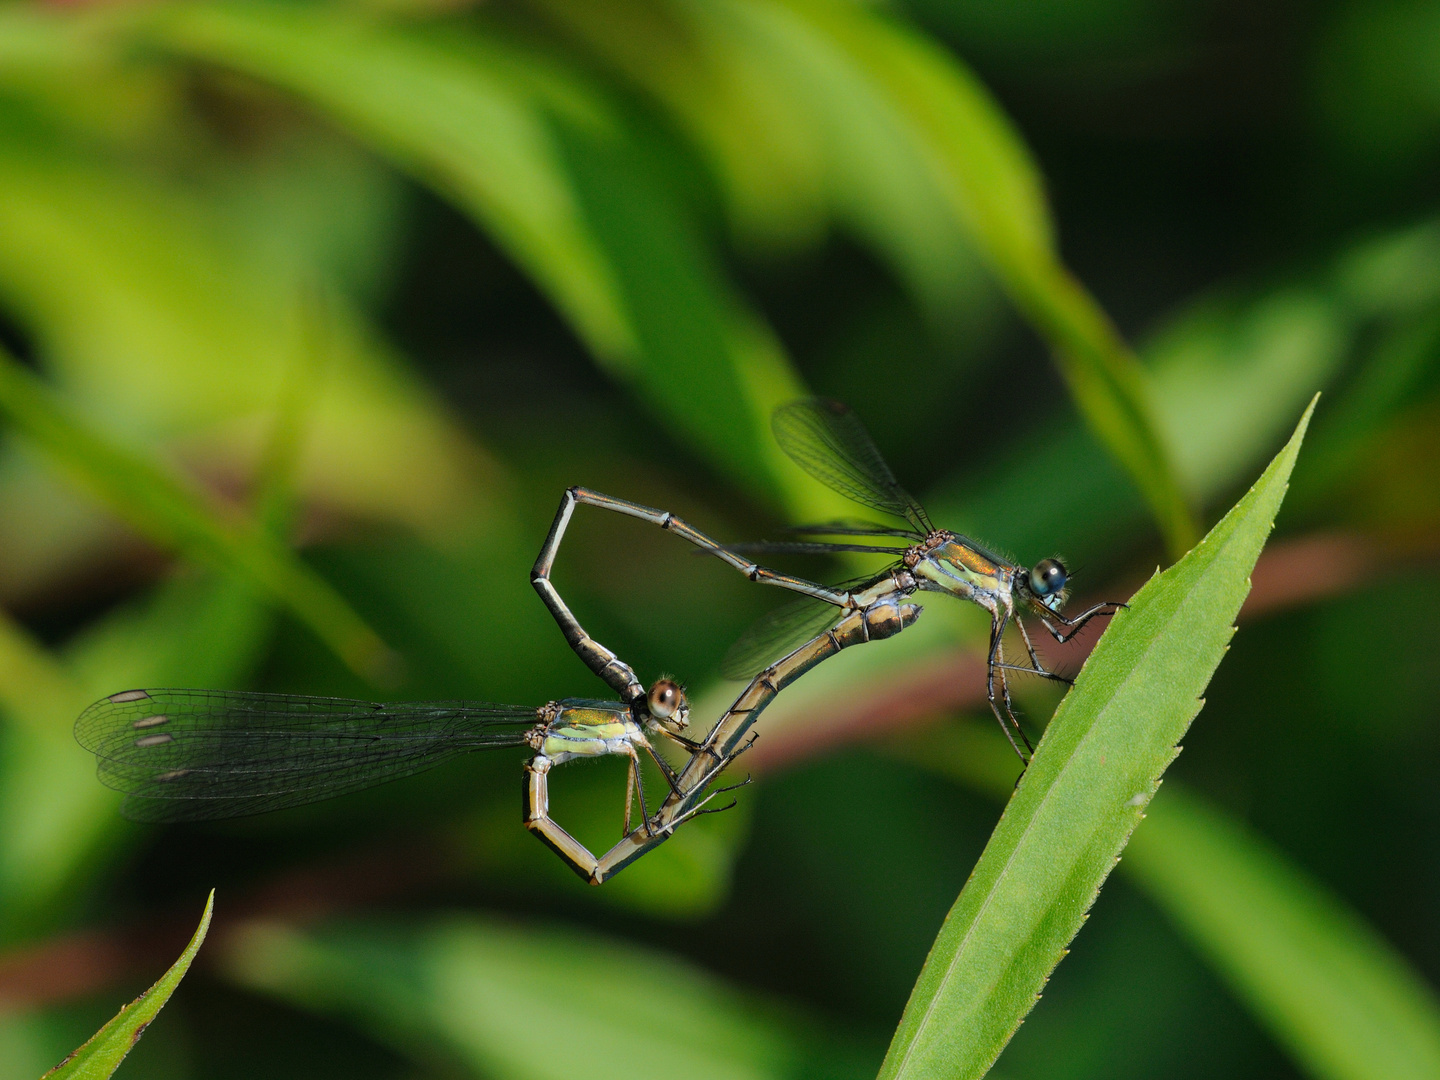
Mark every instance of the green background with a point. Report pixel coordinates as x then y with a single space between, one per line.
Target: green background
311 311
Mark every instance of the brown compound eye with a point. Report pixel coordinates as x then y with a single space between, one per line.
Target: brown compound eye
665 699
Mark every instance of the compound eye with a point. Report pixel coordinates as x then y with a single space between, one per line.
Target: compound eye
1048 578
665 699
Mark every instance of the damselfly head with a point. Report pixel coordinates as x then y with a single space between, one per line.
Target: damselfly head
1047 582
666 701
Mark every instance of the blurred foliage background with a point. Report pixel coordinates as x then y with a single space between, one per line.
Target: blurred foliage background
310 312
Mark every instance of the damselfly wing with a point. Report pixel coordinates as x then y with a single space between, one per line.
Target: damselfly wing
195 755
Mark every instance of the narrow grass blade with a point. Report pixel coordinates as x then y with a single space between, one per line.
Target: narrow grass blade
101 1056
1330 989
163 508
1096 769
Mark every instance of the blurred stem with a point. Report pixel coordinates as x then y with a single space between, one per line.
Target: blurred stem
1323 982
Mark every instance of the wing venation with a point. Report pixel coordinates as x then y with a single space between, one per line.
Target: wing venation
192 755
828 441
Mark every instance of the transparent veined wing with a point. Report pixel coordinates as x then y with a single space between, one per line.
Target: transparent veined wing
808 547
828 441
194 755
848 527
776 634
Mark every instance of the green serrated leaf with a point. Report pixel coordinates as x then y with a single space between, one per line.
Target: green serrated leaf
1344 1002
102 1054
1097 767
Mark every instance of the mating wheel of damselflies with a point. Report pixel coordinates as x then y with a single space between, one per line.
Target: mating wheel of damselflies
828 441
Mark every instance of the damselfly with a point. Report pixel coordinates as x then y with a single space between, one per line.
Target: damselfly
828 441
195 755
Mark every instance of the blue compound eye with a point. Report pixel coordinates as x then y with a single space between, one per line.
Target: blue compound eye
1048 578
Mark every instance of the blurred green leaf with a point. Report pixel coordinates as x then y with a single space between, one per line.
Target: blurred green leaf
160 505
792 136
1229 371
1375 80
448 110
509 1001
54 815
1083 794
1328 987
167 317
1231 374
709 369
997 193
101 1056
540 159
57 822
874 87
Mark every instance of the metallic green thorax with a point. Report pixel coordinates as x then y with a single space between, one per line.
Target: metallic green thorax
579 727
949 564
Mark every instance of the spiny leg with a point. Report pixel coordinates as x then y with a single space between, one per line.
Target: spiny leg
997 631
1024 670
665 770
1037 668
702 809
1003 667
630 776
720 766
638 783
1075 625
